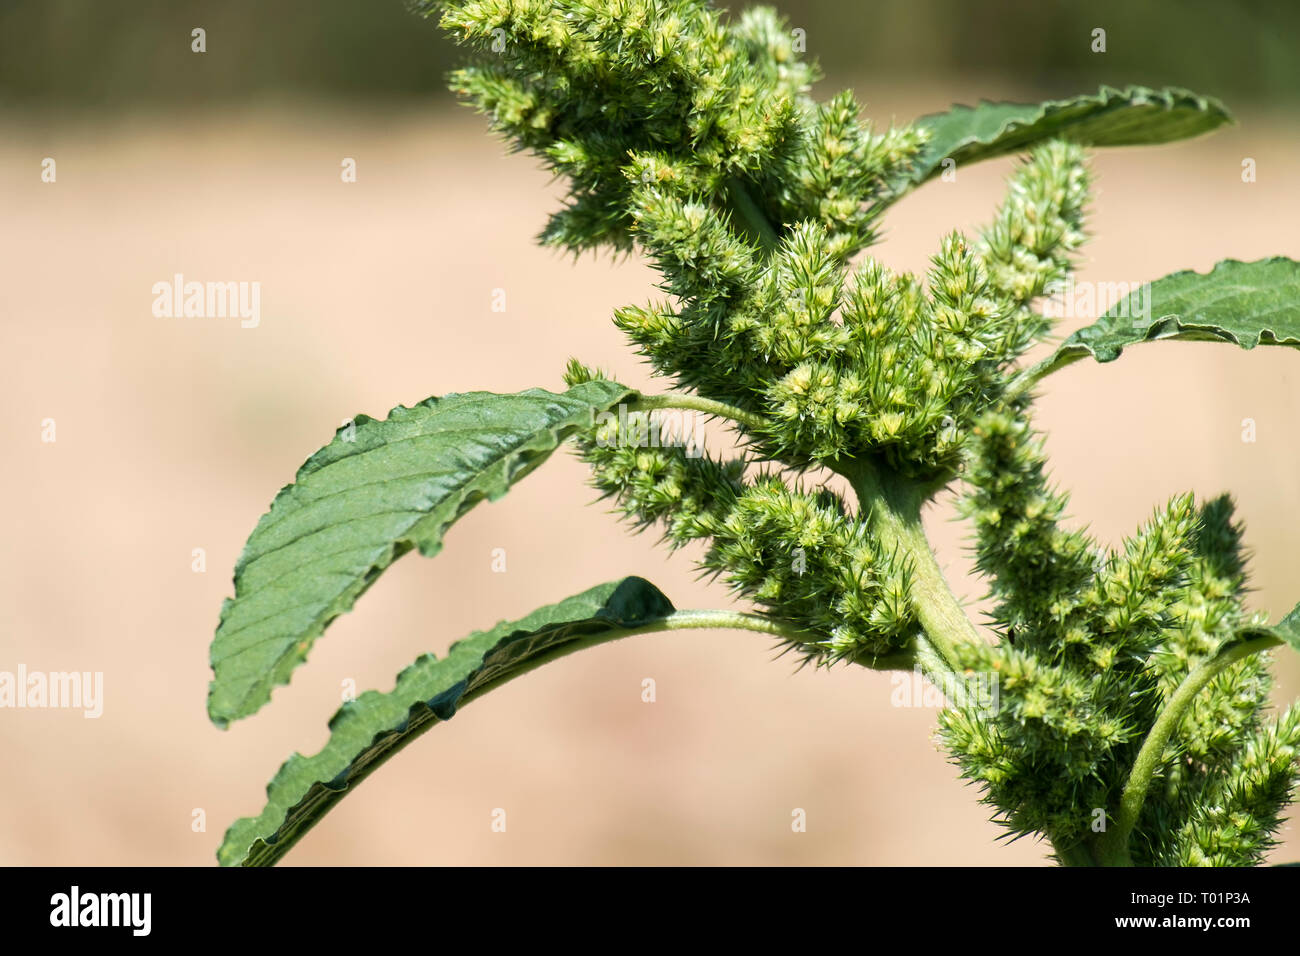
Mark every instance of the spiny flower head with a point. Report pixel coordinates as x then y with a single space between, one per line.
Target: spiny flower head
1231 818
1026 250
1095 644
799 554
697 140
584 84
816 567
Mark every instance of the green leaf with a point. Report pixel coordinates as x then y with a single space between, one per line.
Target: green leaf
1286 630
1244 303
1134 116
363 501
367 731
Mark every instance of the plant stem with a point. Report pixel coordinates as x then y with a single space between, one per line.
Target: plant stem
1029 377
894 507
1078 855
1112 847
677 621
646 403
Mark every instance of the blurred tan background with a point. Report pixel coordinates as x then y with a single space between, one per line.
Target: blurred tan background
174 434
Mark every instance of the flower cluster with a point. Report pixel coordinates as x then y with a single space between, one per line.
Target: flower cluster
587 83
797 553
695 140
846 363
1094 645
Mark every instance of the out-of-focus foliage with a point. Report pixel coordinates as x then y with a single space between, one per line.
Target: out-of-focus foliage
137 52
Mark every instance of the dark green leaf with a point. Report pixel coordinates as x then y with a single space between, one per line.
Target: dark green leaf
1244 303
1134 116
363 501
367 731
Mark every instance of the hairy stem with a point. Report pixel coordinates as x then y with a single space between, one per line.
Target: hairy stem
1027 378
1077 855
677 621
1112 847
895 511
646 403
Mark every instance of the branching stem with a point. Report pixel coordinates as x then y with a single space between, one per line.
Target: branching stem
1112 847
677 621
646 403
1029 377
894 506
